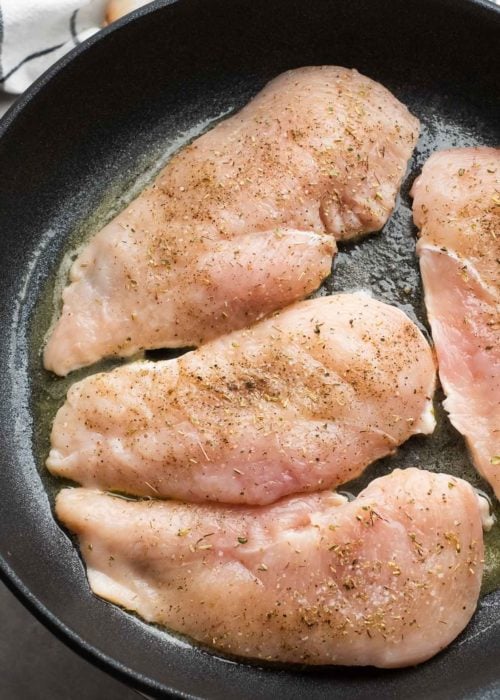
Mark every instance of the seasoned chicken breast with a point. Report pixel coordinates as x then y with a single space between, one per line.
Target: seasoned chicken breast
457 207
241 222
299 402
387 580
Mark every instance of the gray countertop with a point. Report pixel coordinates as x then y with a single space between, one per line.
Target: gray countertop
35 665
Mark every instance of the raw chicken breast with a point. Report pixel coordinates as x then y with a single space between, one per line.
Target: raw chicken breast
241 222
387 580
302 401
457 207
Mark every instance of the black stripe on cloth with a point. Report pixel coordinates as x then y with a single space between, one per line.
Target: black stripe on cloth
72 28
31 57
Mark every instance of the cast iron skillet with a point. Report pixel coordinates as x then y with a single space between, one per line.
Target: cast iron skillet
83 131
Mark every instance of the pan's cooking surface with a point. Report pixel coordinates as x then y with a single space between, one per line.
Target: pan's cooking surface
78 147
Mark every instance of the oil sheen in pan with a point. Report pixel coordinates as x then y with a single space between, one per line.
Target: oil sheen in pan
383 264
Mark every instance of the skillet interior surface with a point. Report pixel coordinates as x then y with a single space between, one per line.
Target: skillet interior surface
76 144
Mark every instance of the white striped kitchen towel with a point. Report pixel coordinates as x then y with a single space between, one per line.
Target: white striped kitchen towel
35 33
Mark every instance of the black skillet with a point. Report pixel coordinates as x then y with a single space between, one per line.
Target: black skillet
82 134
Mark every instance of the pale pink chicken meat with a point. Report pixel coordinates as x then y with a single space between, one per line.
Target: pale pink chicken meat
241 222
387 580
302 401
457 207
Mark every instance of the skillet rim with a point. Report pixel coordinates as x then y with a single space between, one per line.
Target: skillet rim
8 576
